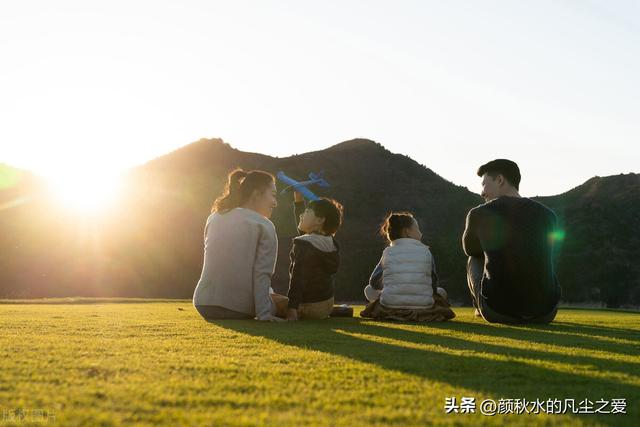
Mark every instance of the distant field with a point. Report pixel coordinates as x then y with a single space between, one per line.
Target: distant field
158 363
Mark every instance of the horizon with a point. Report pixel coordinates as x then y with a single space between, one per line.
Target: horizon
92 90
214 139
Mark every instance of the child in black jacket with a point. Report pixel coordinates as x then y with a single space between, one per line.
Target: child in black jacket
315 258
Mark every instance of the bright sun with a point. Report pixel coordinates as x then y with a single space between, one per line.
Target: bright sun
85 191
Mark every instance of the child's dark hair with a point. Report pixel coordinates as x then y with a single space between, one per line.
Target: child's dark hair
240 186
330 210
394 223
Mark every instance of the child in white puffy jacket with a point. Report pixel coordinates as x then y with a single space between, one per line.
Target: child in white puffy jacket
405 277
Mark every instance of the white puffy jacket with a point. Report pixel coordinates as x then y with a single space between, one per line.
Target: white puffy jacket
407 264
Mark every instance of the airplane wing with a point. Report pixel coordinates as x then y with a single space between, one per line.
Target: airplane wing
284 178
298 186
318 178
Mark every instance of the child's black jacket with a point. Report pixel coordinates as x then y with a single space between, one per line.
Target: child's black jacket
312 270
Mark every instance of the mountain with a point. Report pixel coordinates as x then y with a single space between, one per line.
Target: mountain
150 244
598 259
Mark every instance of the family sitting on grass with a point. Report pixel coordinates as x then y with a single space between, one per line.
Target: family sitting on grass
508 239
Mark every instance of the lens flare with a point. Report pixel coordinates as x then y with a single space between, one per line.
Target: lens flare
85 191
9 177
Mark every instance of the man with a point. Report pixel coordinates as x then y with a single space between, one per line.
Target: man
509 241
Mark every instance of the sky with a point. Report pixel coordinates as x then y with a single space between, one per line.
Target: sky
91 88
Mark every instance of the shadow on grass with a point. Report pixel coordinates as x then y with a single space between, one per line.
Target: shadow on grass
553 334
597 330
624 368
506 375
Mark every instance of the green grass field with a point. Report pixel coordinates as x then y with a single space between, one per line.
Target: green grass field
119 363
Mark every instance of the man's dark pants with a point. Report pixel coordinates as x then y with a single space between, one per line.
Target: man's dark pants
475 271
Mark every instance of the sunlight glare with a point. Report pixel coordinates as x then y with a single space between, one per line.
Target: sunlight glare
85 191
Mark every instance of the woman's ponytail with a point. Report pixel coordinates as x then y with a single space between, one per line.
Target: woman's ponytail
240 187
231 197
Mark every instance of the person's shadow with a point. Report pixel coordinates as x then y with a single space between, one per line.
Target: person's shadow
560 360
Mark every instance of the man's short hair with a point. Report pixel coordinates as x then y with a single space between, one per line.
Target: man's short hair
508 169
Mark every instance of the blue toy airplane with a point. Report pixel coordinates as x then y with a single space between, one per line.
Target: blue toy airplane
301 186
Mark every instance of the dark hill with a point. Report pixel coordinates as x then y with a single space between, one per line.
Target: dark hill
598 260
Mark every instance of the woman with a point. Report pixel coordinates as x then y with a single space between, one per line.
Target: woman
240 252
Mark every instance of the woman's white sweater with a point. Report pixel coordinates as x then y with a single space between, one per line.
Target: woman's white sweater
240 250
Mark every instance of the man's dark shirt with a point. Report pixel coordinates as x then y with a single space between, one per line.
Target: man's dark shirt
515 236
